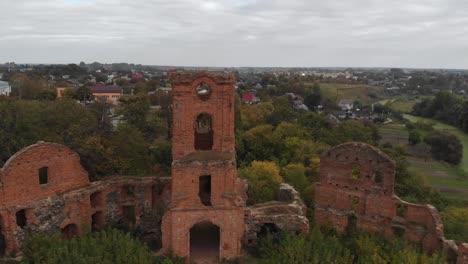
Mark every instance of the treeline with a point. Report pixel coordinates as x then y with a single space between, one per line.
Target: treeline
325 247
136 144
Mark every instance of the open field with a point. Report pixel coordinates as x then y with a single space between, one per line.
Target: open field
439 175
359 92
402 104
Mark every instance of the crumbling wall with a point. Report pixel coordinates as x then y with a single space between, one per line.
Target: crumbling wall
463 254
69 199
356 190
287 214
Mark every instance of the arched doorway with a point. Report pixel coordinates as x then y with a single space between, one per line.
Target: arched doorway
69 231
203 132
204 243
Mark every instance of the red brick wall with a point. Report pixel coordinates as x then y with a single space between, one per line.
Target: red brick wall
375 206
20 176
187 106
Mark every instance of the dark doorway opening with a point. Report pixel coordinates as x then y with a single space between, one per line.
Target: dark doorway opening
129 217
21 219
2 239
203 132
97 221
69 231
351 228
204 243
268 230
204 190
97 200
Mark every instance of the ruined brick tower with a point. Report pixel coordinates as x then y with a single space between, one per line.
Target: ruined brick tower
205 219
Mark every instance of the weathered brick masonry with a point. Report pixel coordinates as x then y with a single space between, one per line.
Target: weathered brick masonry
44 188
65 200
356 190
200 212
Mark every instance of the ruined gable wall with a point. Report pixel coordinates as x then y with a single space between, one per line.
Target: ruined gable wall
20 177
368 202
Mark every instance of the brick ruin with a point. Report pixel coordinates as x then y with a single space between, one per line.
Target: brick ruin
356 190
44 188
200 212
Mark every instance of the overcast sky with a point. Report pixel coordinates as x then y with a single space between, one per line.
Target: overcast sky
374 33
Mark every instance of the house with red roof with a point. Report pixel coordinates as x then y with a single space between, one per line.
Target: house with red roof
250 98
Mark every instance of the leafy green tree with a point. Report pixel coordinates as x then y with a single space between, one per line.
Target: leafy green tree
83 94
314 98
264 179
295 174
282 111
131 150
445 146
135 110
414 137
456 223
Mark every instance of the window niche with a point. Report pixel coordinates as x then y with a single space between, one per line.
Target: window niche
21 219
356 171
43 175
354 203
204 190
378 178
401 210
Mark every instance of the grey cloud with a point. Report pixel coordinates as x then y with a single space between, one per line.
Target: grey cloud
400 33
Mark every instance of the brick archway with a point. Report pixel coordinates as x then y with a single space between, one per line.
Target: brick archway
70 231
205 242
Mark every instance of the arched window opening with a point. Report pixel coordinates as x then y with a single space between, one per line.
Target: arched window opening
356 172
70 231
204 91
204 243
204 190
203 132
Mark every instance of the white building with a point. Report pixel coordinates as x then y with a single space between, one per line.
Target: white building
5 88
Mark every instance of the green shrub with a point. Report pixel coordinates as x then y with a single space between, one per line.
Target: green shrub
104 247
